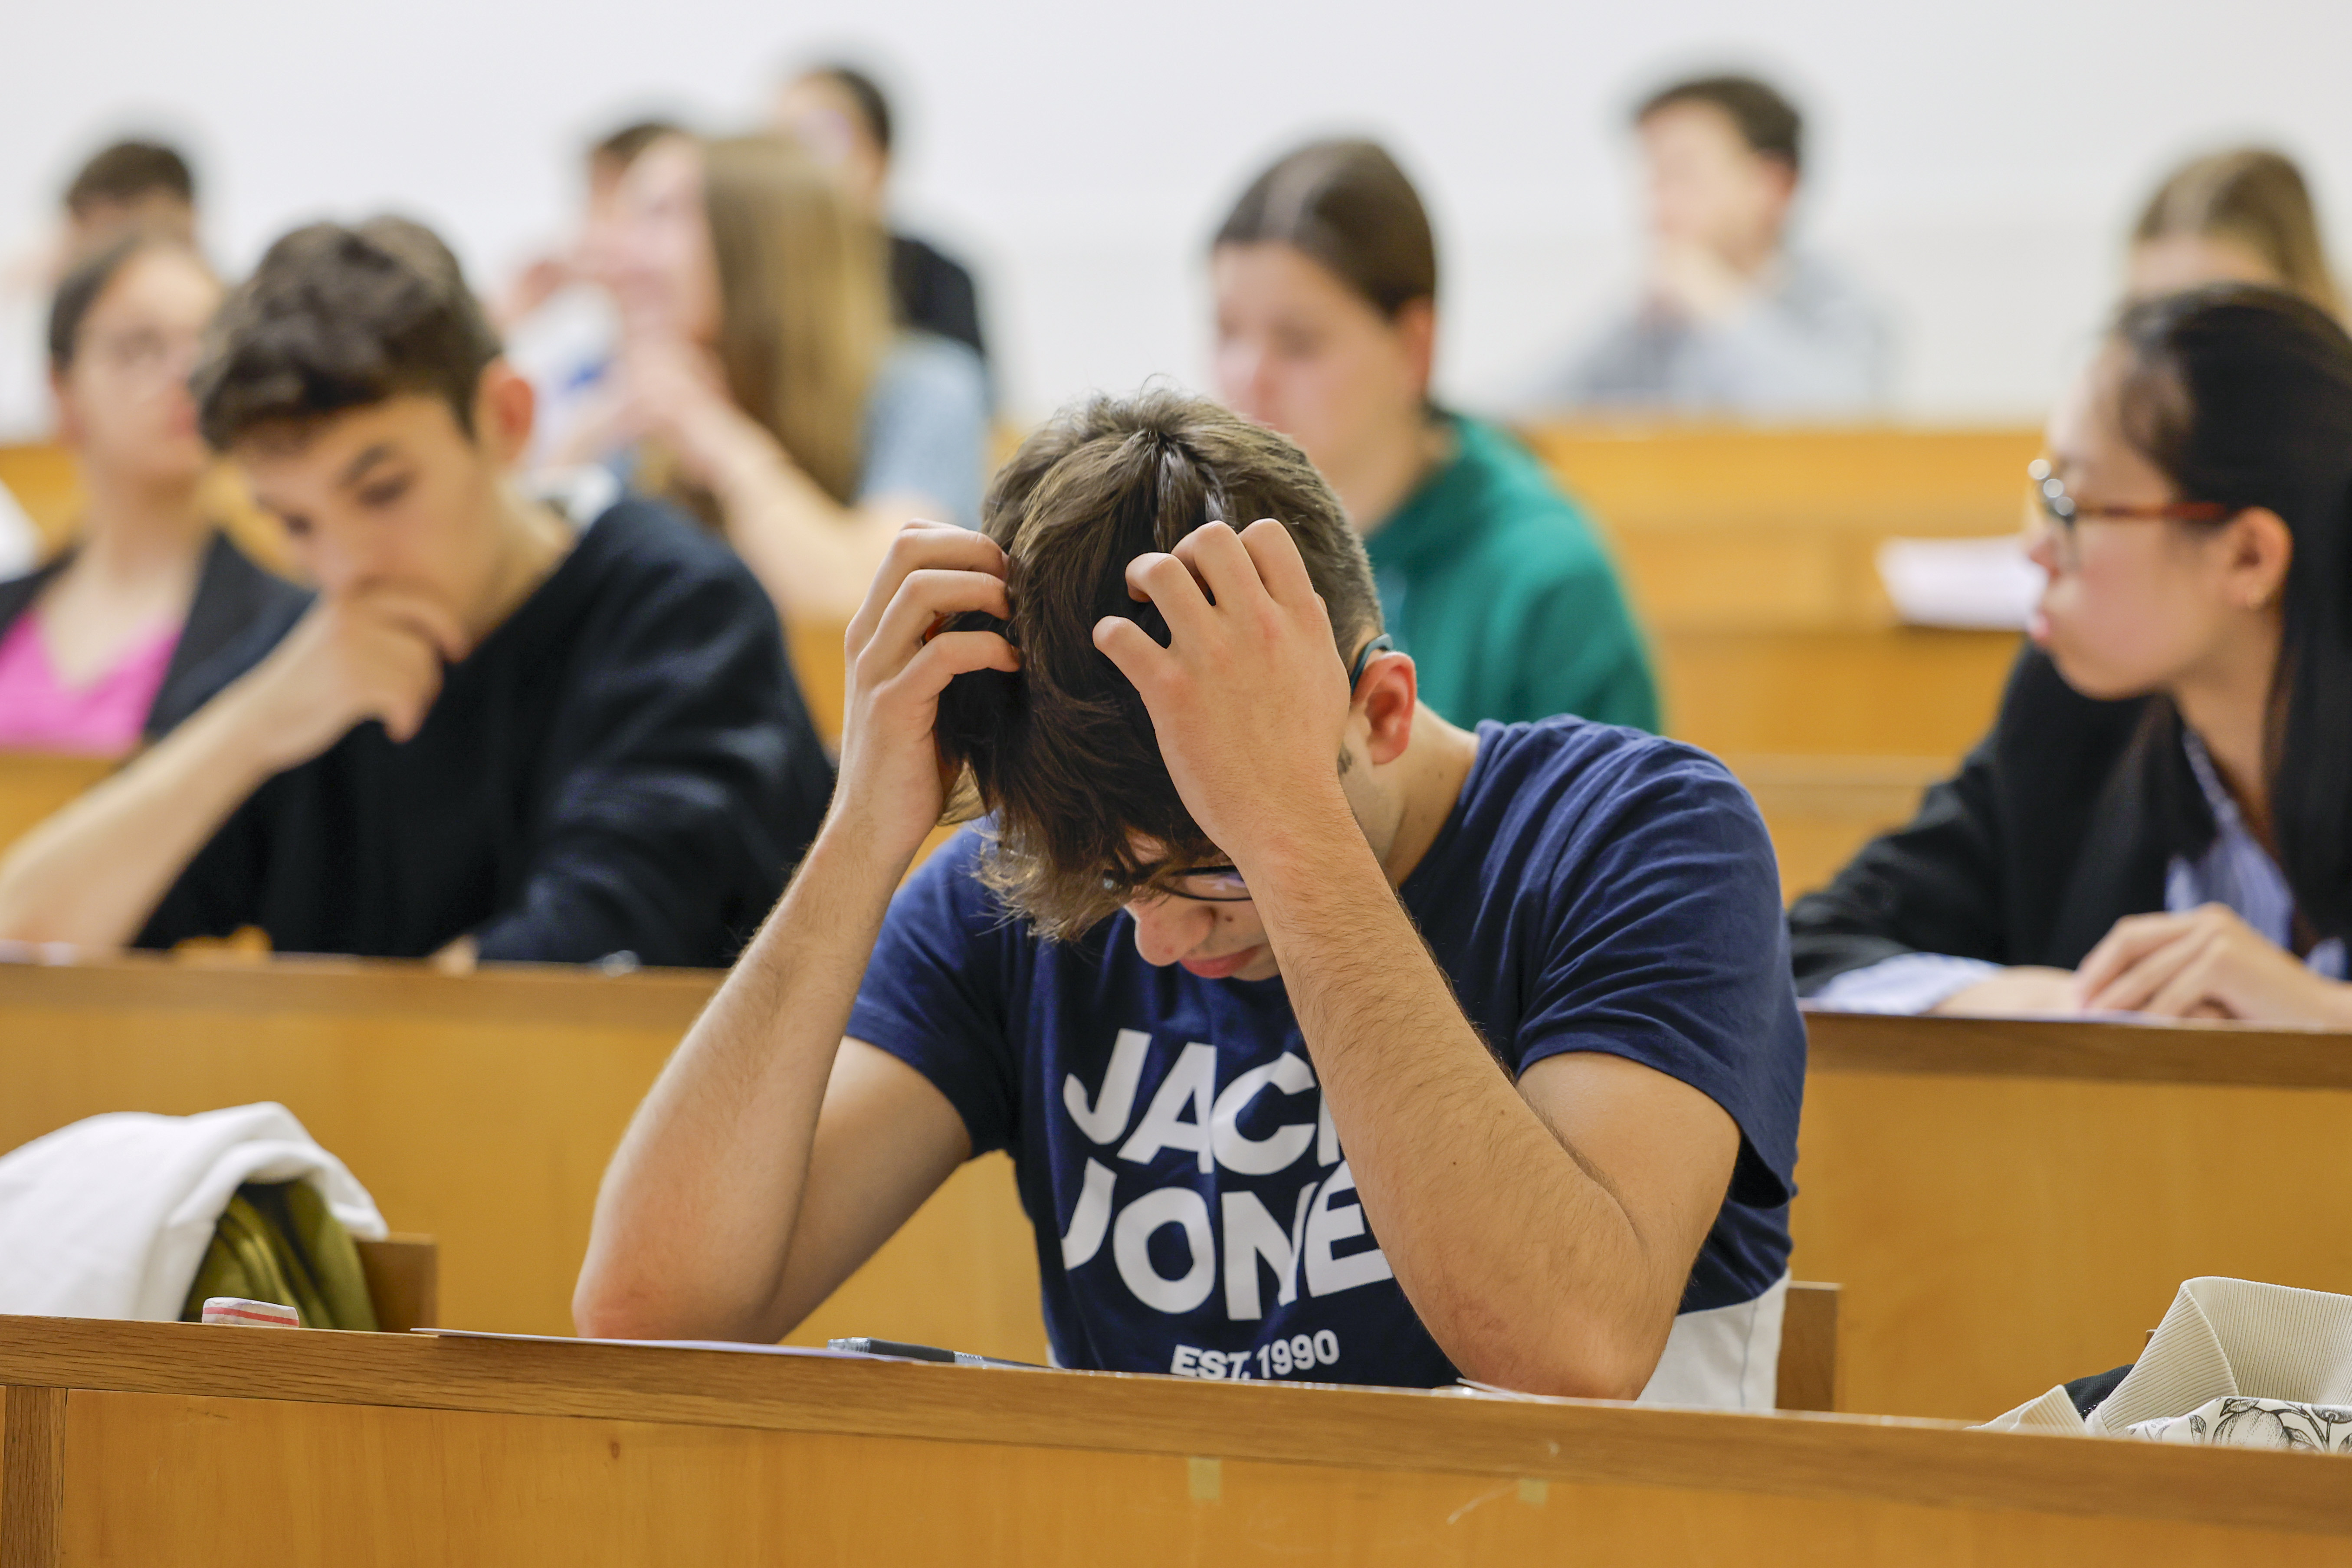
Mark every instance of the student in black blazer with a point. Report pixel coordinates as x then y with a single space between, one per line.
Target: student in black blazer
2161 820
83 640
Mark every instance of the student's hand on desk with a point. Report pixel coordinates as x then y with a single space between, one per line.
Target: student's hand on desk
893 787
1249 699
2207 962
375 653
2026 988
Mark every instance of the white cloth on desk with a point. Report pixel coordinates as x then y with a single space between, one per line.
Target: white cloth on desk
110 1217
2234 1363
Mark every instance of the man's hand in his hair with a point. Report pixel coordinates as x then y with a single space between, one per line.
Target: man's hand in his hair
1249 699
890 790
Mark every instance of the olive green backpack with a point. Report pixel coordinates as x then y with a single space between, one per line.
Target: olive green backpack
279 1242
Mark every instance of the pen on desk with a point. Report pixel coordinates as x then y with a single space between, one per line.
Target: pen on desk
905 1351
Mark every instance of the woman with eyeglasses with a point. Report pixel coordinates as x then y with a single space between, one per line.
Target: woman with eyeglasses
151 588
2161 820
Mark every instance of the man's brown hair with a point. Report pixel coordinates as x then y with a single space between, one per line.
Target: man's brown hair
127 171
1766 120
338 318
1063 753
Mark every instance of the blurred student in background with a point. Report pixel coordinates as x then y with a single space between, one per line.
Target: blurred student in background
125 621
557 316
2243 215
138 185
760 381
2161 820
1326 280
508 726
1733 320
840 114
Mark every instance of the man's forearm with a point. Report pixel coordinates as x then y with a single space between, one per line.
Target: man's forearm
1523 1267
92 873
694 1222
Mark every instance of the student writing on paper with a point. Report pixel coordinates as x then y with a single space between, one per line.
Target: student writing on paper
507 726
1331 1041
2161 820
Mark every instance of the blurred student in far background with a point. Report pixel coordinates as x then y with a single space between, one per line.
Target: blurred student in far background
1733 320
144 186
840 113
557 316
124 622
2244 215
760 381
1325 277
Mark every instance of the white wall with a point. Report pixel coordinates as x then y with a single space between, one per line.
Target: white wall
1974 162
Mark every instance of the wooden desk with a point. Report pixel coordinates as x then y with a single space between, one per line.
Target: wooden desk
1750 555
2010 1204
1820 810
133 1442
477 1108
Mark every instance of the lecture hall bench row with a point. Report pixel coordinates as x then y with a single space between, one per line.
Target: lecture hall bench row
1750 555
2005 1204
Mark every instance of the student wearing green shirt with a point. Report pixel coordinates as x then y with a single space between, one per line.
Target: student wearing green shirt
1326 278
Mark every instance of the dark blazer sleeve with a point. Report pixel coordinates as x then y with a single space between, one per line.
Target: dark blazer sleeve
2045 833
679 789
239 613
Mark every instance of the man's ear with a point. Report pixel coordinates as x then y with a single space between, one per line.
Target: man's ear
1389 694
2260 548
505 405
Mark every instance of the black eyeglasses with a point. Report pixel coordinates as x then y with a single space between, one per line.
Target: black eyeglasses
1220 884
2064 510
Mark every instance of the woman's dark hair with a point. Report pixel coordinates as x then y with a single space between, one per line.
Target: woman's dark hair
1348 207
80 290
2243 395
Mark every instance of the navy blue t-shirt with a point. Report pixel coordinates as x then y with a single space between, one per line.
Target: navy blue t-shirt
1594 889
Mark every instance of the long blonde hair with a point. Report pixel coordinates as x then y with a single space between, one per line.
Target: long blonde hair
2256 197
805 303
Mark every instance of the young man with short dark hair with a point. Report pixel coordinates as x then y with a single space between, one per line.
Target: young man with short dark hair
1331 1041
1733 319
504 728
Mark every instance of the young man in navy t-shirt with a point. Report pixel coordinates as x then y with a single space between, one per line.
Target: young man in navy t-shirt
1330 1041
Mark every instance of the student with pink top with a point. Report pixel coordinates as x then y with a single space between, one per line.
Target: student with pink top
150 589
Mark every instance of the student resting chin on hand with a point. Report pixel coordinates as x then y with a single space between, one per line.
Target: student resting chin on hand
2161 820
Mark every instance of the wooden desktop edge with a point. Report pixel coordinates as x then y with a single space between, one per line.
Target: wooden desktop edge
2189 1053
1922 1462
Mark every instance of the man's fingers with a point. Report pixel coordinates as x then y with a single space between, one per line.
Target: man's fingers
923 597
1128 647
1168 584
1217 557
922 546
416 614
952 654
1279 565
